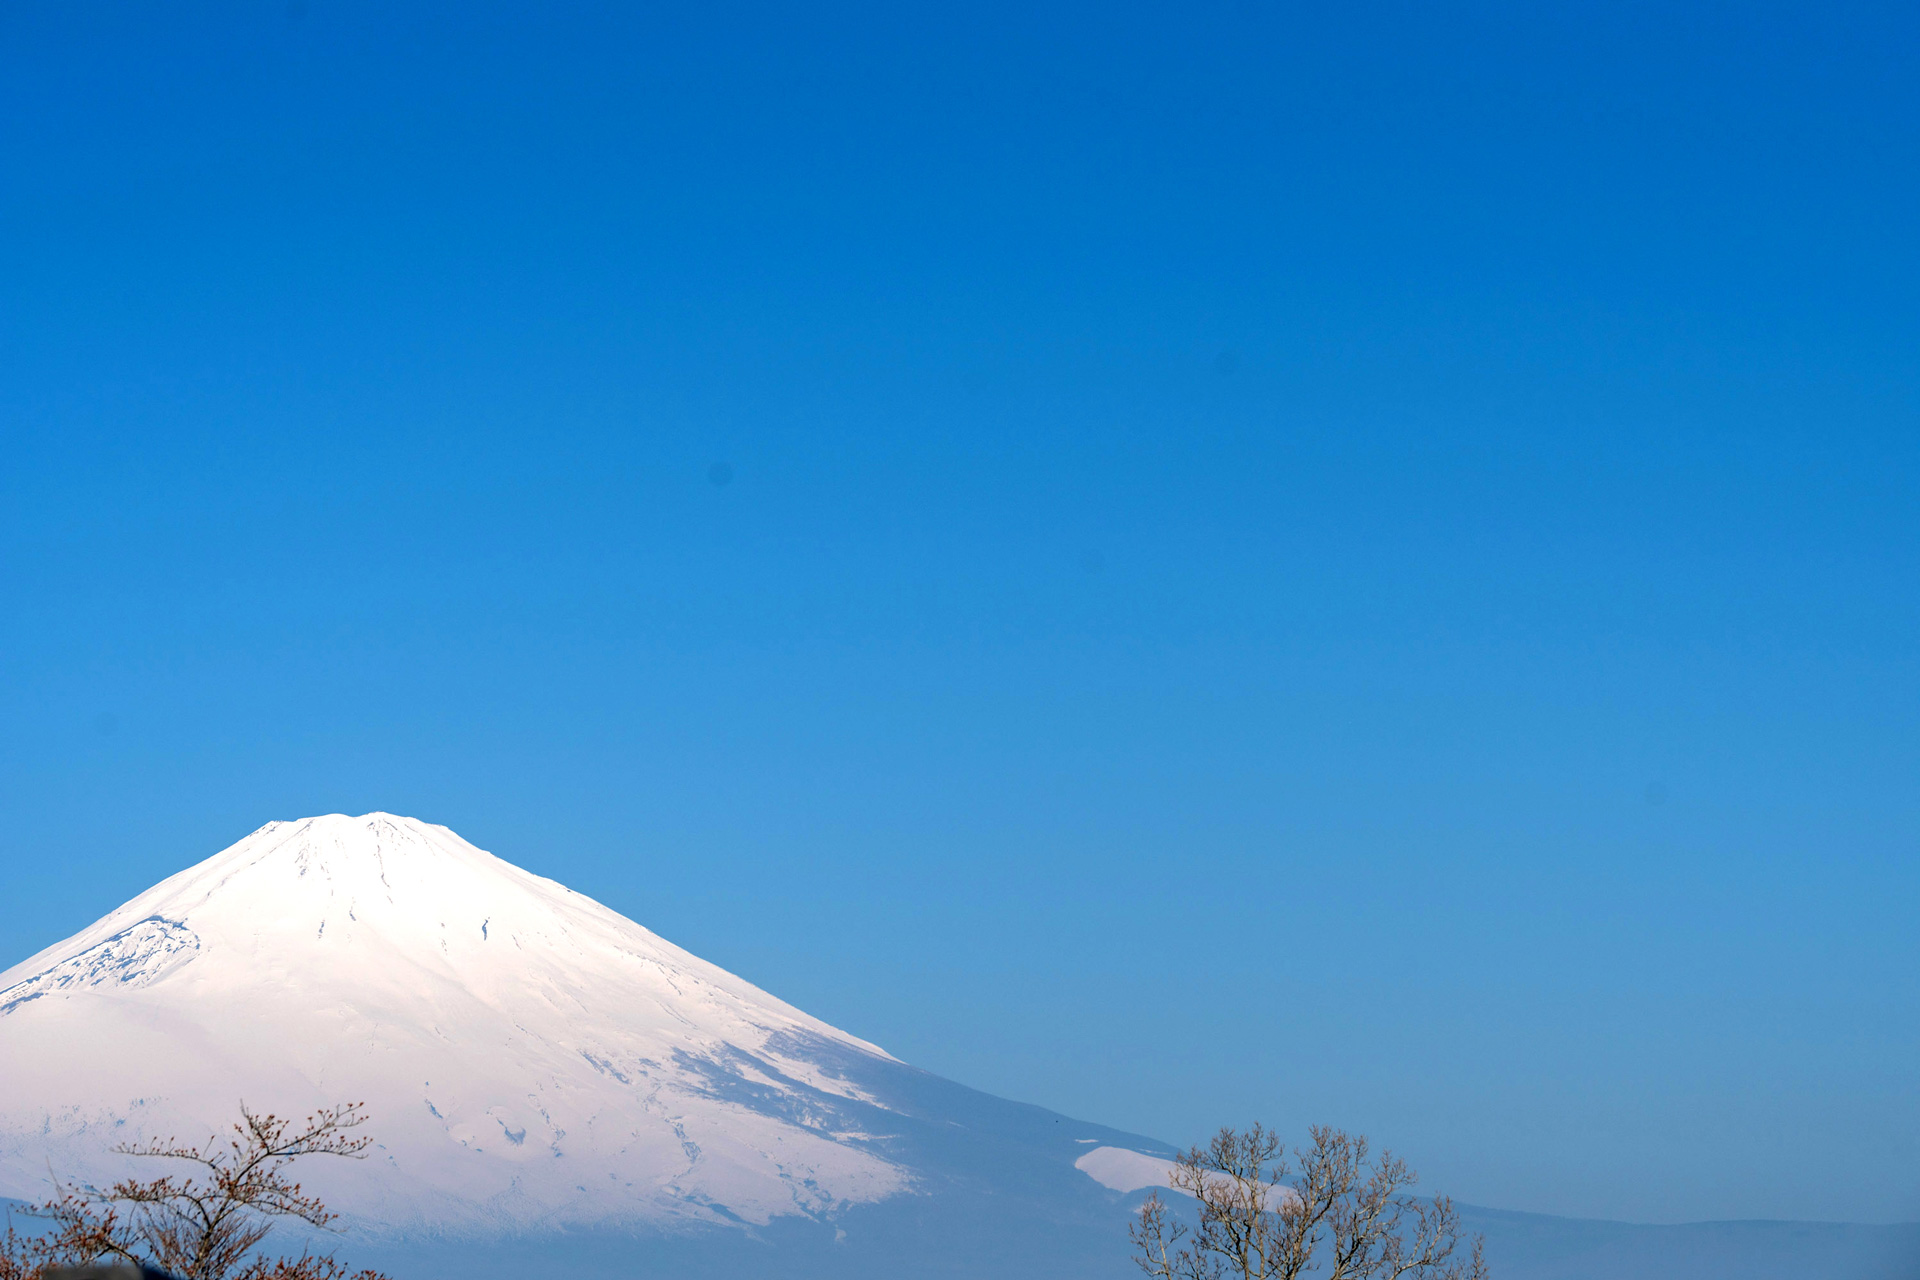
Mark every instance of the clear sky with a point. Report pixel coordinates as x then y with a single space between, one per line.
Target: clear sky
1188 564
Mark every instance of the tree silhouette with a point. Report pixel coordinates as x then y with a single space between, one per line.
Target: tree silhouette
207 1222
1341 1215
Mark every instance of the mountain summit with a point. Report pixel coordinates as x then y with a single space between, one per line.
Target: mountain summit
529 1057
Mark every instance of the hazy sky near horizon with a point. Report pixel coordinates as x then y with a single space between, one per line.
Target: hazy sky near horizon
1187 564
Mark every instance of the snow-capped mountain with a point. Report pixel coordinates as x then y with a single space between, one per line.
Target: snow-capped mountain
555 1090
529 1058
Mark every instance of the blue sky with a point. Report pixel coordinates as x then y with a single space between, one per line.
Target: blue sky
1303 563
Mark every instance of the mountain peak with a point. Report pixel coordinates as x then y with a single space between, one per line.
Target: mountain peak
383 855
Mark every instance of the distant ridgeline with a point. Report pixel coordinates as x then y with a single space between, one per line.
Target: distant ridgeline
554 1089
891 1241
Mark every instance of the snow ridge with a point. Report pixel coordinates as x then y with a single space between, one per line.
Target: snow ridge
139 954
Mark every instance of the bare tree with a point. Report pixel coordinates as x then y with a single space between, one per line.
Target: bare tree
204 1224
18 1258
1342 1214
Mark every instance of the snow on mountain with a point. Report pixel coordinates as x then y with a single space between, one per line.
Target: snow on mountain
1125 1170
527 1055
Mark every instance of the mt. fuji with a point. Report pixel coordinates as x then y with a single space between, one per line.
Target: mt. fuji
531 1061
552 1089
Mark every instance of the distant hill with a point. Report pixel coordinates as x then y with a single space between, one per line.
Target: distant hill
1527 1246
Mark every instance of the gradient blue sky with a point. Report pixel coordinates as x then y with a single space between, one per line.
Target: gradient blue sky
1345 563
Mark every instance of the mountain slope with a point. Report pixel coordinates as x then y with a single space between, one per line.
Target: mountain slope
529 1057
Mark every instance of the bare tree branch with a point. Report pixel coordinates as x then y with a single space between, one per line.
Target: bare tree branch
207 1223
1343 1215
